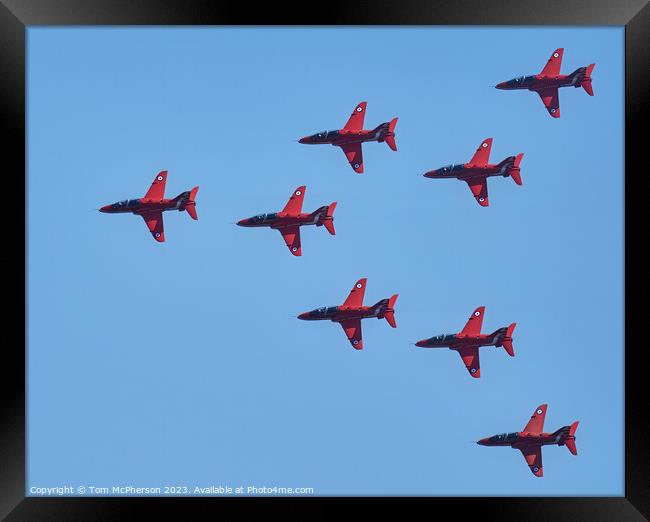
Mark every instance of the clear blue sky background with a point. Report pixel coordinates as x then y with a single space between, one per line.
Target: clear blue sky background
182 363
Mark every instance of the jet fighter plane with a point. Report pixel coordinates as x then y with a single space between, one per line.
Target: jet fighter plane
350 313
532 438
476 172
549 80
350 137
470 339
154 203
289 220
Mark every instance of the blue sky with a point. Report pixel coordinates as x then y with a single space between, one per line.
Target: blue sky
183 364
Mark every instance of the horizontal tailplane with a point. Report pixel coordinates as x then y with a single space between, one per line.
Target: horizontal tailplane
586 82
389 315
571 441
328 220
390 137
507 340
191 204
515 171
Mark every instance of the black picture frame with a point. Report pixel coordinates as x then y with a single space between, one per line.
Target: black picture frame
17 15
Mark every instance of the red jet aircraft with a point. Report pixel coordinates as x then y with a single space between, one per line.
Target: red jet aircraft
154 203
350 137
470 339
532 438
350 313
289 220
476 172
547 82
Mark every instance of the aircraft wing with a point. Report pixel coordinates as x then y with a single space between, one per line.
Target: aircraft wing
294 205
536 422
291 236
470 360
482 154
154 221
354 155
355 298
352 329
551 100
157 189
533 456
355 122
554 64
479 189
475 322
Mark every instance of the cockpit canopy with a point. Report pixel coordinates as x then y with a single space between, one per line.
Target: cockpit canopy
448 169
505 437
520 80
442 337
323 311
325 135
127 203
261 218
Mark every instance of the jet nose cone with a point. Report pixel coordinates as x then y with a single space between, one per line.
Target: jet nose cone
430 174
482 442
242 222
501 85
421 343
303 316
105 208
306 139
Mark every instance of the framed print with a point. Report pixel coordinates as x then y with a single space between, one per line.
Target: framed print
253 241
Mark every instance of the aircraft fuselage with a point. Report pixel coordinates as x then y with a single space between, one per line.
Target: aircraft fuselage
456 341
343 136
466 171
521 439
143 205
538 82
282 219
341 313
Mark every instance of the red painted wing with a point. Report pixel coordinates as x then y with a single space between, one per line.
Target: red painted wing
536 422
475 322
355 299
352 329
291 236
354 155
154 221
157 189
471 360
551 100
355 122
479 189
533 456
554 64
294 205
482 154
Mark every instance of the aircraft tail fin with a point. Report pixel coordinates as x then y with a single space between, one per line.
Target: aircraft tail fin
389 315
328 220
187 202
390 138
586 82
571 442
325 217
515 171
190 206
507 341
